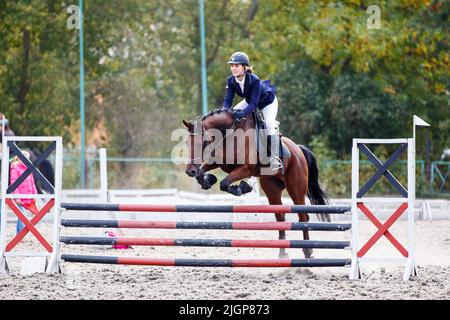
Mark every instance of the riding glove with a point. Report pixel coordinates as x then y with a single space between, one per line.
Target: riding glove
238 115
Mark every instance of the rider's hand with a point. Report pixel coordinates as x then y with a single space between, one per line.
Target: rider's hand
238 115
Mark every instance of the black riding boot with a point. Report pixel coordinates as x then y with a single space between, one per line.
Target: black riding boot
273 150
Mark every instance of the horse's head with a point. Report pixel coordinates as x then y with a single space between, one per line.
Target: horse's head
199 139
195 146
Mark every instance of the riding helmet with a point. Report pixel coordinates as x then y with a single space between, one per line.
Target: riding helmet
239 58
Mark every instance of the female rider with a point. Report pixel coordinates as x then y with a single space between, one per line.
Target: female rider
257 94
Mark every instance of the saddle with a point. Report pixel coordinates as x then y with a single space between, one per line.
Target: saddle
261 139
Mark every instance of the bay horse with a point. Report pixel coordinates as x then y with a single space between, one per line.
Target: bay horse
299 177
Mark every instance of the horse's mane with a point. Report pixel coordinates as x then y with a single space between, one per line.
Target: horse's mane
214 112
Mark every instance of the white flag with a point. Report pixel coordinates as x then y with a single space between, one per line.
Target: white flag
419 122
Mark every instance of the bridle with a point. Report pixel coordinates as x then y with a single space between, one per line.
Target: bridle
205 143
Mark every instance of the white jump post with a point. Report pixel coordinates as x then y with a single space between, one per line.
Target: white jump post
407 200
103 175
104 191
51 251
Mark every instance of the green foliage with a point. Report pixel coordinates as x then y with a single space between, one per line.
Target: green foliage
321 147
401 69
302 97
337 108
35 84
336 78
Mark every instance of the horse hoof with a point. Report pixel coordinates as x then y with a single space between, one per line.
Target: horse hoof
208 181
235 190
245 187
224 186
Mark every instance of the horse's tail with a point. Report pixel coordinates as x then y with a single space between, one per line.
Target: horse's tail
315 193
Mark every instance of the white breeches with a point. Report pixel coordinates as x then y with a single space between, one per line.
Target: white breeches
269 113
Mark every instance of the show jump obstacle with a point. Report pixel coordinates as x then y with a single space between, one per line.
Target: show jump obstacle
49 249
209 242
406 204
359 206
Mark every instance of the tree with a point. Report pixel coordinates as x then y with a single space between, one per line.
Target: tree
407 58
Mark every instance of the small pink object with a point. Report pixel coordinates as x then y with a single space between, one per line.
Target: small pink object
113 234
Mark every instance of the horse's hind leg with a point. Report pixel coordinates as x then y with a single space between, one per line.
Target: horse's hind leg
298 197
273 189
303 217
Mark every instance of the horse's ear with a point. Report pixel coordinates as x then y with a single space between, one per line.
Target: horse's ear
188 125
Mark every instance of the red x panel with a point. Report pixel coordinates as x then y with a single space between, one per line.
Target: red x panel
382 229
29 225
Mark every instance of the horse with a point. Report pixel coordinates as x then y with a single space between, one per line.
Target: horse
299 175
47 170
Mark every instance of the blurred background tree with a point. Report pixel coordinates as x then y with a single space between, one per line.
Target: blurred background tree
336 78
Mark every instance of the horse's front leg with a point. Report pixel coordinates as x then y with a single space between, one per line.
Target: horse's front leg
241 172
206 180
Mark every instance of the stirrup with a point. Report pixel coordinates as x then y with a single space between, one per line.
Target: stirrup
275 163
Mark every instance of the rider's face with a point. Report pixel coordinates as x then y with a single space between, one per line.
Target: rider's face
237 70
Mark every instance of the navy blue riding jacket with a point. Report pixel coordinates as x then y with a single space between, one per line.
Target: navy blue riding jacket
257 93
